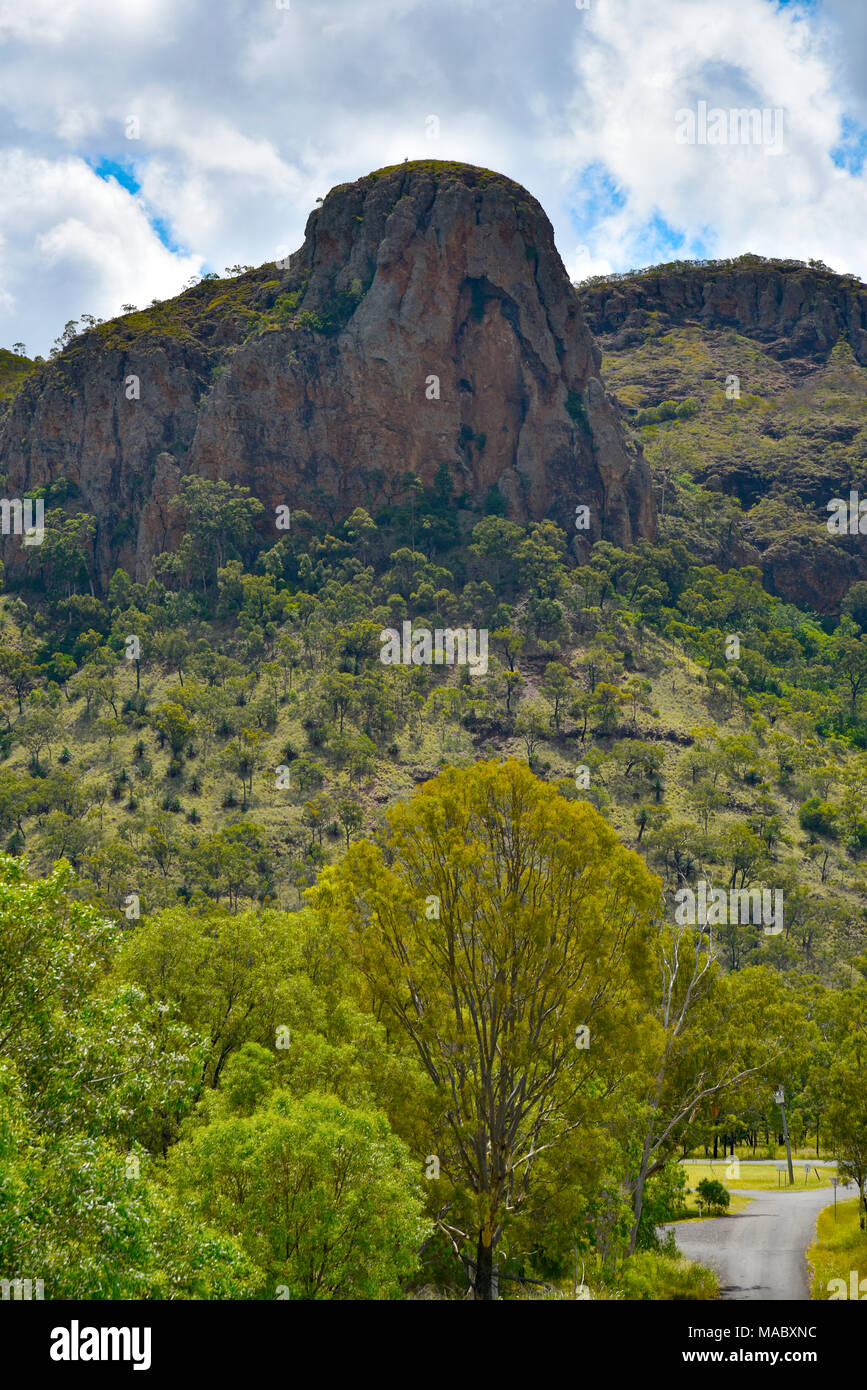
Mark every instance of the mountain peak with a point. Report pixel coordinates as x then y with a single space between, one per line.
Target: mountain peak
427 320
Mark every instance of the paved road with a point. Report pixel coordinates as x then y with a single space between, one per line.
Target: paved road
759 1254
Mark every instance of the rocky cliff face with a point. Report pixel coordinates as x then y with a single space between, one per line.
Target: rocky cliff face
427 319
790 342
797 311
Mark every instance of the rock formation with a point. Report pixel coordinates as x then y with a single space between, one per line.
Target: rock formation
427 319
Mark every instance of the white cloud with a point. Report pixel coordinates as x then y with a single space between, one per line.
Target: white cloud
74 243
248 113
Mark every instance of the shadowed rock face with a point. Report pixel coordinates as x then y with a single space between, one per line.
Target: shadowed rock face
795 314
310 382
797 311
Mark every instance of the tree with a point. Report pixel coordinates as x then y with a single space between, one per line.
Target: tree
221 521
362 530
606 703
323 1197
52 950
37 730
557 686
19 672
539 559
855 604
512 684
531 726
234 862
224 975
706 1036
73 1211
503 923
172 721
66 552
847 653
243 756
494 541
846 1113
746 853
351 817
508 643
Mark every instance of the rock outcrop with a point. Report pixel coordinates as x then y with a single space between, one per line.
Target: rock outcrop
793 337
796 310
427 319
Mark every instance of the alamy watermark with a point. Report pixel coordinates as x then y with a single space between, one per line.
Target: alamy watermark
739 907
21 1290
739 125
857 1289
421 646
848 518
16 518
77 1343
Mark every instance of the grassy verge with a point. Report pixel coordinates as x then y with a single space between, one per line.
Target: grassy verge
659 1276
647 1276
761 1178
839 1249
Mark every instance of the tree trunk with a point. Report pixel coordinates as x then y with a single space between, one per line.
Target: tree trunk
484 1281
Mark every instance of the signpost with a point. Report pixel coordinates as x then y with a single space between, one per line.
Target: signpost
834 1182
780 1098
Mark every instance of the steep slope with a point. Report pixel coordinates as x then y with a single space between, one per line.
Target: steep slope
426 320
790 343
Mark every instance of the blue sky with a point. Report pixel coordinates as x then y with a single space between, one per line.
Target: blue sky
147 142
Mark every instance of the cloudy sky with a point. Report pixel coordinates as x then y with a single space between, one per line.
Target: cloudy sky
144 141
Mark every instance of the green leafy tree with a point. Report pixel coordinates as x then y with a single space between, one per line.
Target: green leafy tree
323 1198
541 932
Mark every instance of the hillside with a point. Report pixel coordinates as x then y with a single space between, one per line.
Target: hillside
767 362
158 777
335 971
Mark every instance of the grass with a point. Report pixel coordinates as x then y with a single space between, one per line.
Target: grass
660 1277
839 1248
657 1276
691 1212
763 1179
13 369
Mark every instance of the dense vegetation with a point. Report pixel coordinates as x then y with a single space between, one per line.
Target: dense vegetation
281 1016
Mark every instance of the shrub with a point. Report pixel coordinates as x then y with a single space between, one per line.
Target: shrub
818 816
575 409
713 1195
667 410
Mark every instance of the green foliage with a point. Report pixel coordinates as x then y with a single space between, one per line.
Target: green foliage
323 1198
575 408
661 1277
257 740
818 816
667 410
714 1196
